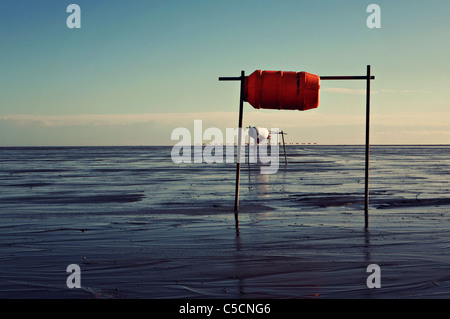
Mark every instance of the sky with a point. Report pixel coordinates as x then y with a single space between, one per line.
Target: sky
136 70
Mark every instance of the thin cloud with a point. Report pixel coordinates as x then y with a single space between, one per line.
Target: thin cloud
363 91
415 132
403 91
399 127
69 120
345 90
273 119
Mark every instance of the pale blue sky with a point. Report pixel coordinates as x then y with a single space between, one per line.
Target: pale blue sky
138 69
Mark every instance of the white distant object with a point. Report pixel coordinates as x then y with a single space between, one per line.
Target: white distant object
259 133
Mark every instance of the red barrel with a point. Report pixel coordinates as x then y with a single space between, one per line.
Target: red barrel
282 90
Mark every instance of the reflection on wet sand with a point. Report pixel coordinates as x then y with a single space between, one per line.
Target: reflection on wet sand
140 226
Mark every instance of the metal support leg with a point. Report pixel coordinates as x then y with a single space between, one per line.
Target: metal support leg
366 202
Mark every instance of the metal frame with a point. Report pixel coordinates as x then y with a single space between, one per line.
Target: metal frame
284 147
366 77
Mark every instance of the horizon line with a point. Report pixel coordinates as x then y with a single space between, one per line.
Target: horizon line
161 145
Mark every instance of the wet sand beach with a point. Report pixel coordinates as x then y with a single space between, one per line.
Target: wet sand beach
140 226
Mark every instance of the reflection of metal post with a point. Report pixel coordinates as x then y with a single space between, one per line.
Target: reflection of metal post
366 202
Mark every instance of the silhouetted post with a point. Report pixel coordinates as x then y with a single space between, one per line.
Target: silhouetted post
284 147
366 202
238 168
366 77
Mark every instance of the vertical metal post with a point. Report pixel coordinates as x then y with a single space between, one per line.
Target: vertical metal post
248 148
366 204
367 77
284 147
238 168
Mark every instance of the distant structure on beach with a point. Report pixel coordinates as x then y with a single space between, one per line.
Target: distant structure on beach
259 134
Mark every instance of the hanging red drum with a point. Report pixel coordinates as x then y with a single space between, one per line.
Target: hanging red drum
282 90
